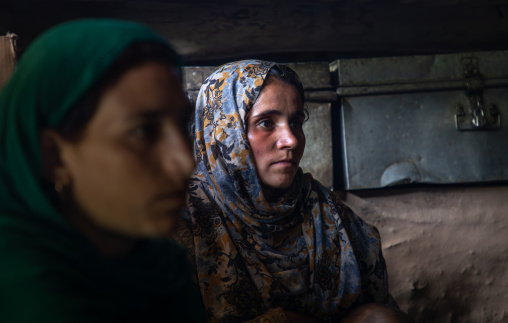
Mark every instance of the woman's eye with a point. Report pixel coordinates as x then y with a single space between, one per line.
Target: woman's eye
145 131
266 124
297 124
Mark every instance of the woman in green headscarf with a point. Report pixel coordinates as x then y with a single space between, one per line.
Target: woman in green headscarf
94 163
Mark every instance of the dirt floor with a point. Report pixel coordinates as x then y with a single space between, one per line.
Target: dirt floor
446 249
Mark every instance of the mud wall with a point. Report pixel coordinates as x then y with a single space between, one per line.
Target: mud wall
446 249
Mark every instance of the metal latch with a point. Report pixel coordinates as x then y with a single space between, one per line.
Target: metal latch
478 116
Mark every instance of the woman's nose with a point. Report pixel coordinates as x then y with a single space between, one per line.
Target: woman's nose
178 160
286 138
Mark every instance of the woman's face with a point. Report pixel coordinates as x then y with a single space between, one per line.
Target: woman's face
275 134
129 171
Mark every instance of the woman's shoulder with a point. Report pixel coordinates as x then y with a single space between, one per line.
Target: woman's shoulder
335 202
34 291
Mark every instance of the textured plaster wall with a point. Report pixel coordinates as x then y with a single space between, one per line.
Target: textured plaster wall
317 158
446 249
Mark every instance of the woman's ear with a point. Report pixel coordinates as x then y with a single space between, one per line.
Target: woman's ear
53 167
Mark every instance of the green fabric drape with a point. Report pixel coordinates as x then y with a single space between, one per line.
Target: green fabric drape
48 271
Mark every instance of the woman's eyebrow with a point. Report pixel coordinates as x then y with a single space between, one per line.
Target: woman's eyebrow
299 114
156 113
267 112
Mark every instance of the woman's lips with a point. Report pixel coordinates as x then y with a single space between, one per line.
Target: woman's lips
285 163
172 200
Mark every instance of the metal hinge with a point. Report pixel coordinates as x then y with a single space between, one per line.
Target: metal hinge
478 116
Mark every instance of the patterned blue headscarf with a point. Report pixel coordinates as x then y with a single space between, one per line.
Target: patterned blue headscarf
307 252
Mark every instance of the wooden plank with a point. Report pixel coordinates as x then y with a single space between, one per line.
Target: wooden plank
7 58
319 31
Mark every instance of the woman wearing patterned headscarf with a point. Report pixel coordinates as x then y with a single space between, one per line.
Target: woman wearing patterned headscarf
94 166
270 241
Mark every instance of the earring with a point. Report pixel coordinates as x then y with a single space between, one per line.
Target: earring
61 179
58 187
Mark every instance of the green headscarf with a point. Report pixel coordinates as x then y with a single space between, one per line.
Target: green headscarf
48 271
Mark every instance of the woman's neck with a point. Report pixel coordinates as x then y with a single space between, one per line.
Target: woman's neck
272 194
109 244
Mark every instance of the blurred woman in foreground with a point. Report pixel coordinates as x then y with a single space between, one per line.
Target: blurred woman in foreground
94 164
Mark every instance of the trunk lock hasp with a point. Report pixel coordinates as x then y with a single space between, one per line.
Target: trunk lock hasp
479 117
